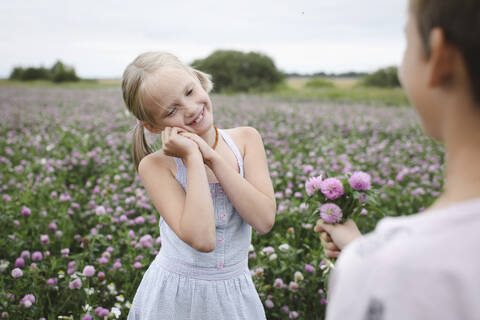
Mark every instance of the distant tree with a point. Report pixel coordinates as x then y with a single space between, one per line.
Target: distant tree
295 74
386 77
62 73
236 71
351 74
321 74
16 73
32 73
59 72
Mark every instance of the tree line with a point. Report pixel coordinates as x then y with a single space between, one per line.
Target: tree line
59 72
232 71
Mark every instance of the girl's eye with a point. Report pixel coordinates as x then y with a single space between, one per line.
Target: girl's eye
171 111
189 92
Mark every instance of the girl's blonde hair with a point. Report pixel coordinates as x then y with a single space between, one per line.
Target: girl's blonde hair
134 81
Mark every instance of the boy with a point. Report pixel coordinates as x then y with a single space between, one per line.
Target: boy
425 266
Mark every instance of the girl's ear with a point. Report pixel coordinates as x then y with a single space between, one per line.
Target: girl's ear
204 79
151 128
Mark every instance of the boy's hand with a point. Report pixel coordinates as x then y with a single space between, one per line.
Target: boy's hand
337 236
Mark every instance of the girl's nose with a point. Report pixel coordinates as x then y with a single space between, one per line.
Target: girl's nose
191 111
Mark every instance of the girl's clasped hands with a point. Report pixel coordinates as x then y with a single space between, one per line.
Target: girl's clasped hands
180 143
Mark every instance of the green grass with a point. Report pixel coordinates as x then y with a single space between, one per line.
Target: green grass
82 84
353 94
337 93
316 83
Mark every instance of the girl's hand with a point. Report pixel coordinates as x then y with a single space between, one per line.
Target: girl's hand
207 152
336 236
176 145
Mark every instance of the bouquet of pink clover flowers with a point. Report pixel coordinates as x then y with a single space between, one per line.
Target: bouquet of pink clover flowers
338 199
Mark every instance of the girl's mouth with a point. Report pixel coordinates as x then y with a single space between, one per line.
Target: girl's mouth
199 118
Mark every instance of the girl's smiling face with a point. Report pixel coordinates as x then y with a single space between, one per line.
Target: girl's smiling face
176 98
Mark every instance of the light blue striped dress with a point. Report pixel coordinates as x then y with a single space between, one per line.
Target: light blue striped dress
183 283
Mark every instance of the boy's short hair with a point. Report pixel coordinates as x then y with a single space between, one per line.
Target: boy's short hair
460 21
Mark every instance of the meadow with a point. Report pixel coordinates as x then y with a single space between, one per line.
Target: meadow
78 230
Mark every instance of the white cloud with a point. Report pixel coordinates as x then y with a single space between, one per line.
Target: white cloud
101 37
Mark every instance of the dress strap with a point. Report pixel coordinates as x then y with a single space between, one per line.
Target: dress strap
181 174
234 148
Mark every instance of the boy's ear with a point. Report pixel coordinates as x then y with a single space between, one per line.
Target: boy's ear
441 60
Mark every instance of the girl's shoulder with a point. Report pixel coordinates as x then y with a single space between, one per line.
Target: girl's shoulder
242 136
158 160
241 131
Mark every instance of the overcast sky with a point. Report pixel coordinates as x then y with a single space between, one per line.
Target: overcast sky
100 37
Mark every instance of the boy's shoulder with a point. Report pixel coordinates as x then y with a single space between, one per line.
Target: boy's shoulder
408 258
440 237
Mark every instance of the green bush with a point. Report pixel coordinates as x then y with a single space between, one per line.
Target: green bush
235 71
16 73
319 83
62 73
34 74
386 77
59 72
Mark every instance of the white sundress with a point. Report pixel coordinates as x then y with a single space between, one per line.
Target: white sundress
183 283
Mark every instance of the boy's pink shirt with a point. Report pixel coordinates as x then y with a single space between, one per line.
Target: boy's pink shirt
424 266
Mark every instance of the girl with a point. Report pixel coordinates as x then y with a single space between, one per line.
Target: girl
425 266
210 186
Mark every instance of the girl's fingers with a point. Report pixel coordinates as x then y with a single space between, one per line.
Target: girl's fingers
188 134
167 132
164 137
191 136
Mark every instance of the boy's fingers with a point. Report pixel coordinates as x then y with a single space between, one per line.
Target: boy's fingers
332 246
325 237
318 227
322 226
332 254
